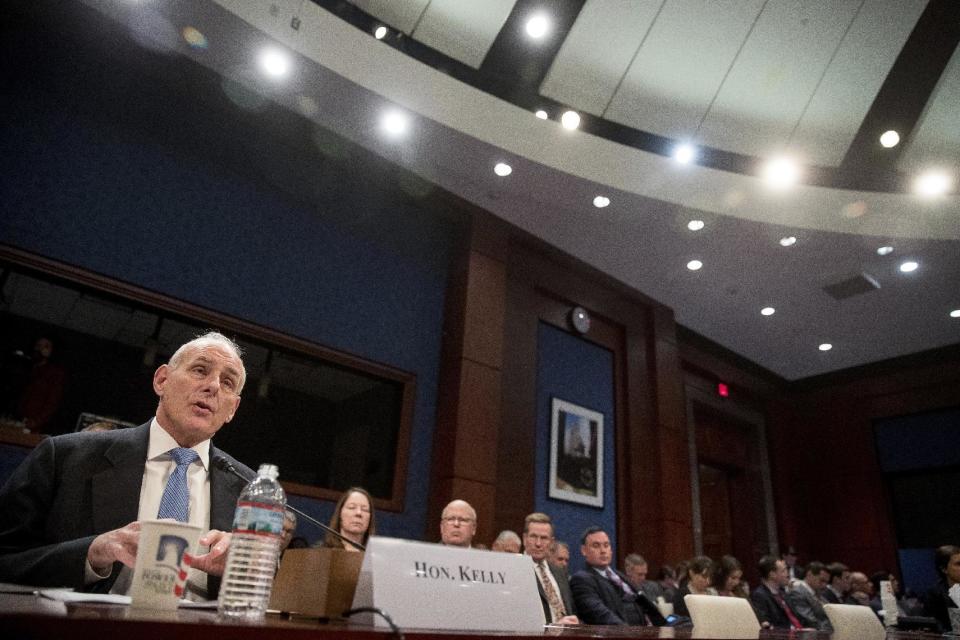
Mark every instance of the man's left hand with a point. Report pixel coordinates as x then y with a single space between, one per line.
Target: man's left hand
214 561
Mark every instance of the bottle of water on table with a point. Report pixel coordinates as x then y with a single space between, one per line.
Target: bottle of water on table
254 547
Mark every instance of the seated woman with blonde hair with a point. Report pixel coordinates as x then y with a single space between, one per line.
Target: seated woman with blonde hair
354 518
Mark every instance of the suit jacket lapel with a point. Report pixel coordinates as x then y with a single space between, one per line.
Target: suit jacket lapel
224 491
116 489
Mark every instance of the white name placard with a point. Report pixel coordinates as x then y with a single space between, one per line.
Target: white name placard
431 586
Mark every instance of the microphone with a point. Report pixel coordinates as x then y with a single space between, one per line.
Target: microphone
223 463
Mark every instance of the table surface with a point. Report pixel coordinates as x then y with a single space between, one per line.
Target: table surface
33 616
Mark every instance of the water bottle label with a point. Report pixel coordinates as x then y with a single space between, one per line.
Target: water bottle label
258 518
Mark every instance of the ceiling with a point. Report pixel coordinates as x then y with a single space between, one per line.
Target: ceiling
743 80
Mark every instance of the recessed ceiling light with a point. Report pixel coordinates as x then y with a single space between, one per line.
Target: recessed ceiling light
885 250
955 313
275 63
780 173
695 225
684 153
542 114
933 183
601 201
380 32
694 265
502 169
768 311
537 26
826 346
787 241
395 123
890 139
194 38
909 266
570 120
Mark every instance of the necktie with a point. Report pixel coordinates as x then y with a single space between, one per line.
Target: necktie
557 609
794 622
175 502
615 579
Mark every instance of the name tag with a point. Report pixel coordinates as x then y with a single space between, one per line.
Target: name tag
431 586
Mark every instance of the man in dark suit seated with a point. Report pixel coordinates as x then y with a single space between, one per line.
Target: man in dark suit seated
839 585
602 594
555 596
769 599
70 514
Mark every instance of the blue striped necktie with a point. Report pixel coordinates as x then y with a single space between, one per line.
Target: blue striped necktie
175 502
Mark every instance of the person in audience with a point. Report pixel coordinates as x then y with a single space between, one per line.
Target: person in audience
769 599
946 561
635 567
728 578
667 579
697 582
602 594
860 589
789 558
70 513
458 524
876 602
289 528
354 518
43 391
839 584
507 541
552 582
560 554
804 598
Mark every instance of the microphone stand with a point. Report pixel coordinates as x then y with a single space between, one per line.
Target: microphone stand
224 464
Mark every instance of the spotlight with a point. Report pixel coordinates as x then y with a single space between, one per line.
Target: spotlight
826 346
909 266
684 153
395 123
788 241
275 63
932 184
601 201
694 265
542 114
768 311
890 139
695 225
780 173
537 26
380 33
955 313
884 251
502 169
570 120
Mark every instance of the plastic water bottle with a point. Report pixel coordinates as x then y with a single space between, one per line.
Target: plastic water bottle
254 548
888 600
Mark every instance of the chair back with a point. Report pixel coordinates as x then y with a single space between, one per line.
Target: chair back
854 621
722 617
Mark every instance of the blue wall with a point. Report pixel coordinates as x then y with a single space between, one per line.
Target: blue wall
572 369
364 271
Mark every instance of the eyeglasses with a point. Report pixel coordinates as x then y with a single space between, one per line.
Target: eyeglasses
456 520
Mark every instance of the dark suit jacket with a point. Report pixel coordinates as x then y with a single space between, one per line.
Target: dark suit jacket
560 575
830 597
72 488
599 601
768 609
808 608
936 602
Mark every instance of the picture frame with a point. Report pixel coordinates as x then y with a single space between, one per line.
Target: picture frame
576 454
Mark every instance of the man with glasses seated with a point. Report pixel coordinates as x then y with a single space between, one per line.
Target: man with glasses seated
555 594
458 524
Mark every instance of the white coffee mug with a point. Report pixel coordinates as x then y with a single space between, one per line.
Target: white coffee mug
164 554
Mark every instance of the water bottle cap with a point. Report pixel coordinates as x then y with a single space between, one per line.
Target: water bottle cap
269 470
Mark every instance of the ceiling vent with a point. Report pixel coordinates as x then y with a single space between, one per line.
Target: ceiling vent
862 283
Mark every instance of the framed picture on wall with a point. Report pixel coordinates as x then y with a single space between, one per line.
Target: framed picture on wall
576 454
